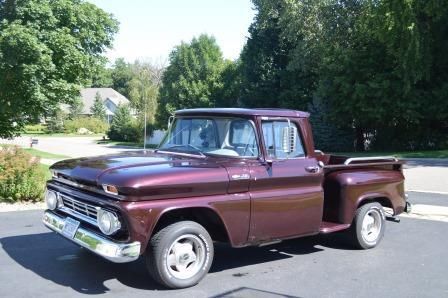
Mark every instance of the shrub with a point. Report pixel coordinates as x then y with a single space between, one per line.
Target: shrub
92 124
36 128
126 132
21 177
125 128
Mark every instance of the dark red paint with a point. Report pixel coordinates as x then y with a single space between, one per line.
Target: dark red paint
280 200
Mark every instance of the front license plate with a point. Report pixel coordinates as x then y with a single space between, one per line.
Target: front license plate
70 227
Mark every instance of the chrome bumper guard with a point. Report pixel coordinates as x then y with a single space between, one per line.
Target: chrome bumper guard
115 252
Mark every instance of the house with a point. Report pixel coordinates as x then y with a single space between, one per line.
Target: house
111 100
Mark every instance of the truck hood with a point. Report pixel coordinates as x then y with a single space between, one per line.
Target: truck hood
145 175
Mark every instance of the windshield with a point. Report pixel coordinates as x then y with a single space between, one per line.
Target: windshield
215 136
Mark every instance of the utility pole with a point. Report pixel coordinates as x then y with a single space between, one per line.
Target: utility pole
144 138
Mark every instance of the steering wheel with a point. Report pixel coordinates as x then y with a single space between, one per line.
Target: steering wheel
248 148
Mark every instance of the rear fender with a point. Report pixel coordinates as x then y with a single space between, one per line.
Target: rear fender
361 186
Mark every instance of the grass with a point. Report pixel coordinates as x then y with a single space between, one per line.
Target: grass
400 154
65 135
46 169
43 154
126 144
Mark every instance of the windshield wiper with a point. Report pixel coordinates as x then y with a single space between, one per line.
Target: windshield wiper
197 150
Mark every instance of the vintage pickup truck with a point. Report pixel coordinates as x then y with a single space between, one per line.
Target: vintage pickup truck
241 176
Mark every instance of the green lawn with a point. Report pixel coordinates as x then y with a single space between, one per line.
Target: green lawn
65 135
127 144
43 154
401 154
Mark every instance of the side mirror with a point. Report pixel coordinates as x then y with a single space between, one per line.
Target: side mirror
170 121
289 139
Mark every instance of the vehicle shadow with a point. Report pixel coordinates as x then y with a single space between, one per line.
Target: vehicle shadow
55 259
227 257
251 292
64 263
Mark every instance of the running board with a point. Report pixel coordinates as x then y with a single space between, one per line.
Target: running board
269 243
392 218
327 227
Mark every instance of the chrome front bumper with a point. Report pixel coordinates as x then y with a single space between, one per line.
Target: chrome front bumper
115 252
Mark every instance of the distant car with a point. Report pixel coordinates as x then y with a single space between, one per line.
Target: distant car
242 176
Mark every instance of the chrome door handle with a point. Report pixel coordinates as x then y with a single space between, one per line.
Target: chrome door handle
312 169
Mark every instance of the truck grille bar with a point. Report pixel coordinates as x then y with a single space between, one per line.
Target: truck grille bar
78 209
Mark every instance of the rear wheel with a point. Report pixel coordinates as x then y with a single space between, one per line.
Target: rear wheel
180 255
368 226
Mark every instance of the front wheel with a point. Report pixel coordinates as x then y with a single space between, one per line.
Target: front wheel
368 226
180 254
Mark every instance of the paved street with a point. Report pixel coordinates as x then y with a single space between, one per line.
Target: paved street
427 174
410 262
70 146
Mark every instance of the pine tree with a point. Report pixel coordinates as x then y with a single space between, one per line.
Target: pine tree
97 108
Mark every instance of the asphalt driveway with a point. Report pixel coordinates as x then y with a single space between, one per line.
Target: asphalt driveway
410 262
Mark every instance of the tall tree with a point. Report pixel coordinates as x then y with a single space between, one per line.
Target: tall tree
97 109
102 76
375 67
144 89
193 77
48 50
121 74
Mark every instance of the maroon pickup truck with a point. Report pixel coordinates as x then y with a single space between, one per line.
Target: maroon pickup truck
241 176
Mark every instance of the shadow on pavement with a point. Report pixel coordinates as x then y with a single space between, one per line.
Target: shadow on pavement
55 259
64 263
250 292
230 258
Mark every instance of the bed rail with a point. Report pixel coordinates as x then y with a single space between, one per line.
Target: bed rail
355 159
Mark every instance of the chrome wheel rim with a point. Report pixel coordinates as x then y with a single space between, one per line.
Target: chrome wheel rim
371 225
186 256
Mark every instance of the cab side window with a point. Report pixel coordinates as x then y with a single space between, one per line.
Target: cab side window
272 134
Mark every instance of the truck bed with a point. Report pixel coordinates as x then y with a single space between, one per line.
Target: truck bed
340 162
348 180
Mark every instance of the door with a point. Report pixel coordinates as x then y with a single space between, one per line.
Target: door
286 192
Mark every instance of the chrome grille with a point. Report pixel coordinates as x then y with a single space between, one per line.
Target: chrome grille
79 209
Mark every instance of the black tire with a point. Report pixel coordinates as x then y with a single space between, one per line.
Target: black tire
161 248
362 239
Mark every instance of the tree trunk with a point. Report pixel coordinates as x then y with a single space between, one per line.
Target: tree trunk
359 139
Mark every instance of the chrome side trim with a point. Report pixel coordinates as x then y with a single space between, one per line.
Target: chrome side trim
240 176
112 251
352 159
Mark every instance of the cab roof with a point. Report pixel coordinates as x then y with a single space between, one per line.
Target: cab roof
243 112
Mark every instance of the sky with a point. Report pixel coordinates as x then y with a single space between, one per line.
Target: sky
149 29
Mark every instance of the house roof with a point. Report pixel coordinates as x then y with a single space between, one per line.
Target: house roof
88 97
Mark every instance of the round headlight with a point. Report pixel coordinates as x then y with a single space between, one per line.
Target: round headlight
51 199
107 222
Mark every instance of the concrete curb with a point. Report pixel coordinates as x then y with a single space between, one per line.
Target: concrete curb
428 191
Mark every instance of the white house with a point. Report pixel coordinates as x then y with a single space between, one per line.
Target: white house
111 100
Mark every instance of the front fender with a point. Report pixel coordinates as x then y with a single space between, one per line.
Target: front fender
232 209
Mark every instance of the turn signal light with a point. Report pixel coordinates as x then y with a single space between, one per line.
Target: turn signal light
110 189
